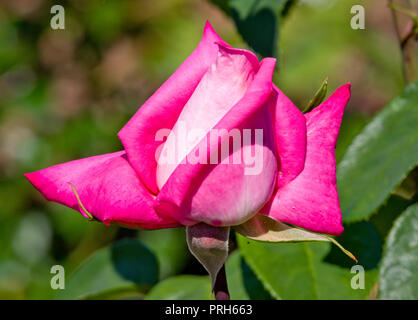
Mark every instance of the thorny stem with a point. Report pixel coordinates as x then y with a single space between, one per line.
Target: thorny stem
221 286
406 43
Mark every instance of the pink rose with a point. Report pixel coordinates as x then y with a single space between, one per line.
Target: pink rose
174 171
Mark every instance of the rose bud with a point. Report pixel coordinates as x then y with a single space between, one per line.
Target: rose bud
218 143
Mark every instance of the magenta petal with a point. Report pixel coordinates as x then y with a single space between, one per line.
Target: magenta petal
290 128
311 200
162 109
178 193
108 188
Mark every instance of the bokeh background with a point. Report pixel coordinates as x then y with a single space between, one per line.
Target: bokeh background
64 94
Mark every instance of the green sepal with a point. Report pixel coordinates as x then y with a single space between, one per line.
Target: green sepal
319 96
266 229
90 216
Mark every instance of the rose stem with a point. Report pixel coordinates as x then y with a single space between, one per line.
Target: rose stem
221 286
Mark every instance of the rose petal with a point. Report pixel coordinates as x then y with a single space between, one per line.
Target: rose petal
108 188
220 194
222 86
162 109
290 128
311 200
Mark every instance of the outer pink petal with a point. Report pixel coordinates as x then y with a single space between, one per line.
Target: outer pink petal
162 109
108 188
290 128
311 200
175 198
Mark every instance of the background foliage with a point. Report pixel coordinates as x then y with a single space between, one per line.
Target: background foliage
65 94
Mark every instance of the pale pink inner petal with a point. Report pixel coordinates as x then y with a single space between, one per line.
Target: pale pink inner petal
225 193
223 85
162 109
229 195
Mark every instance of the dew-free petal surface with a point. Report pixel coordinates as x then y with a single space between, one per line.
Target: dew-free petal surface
163 108
181 197
290 131
222 86
108 187
311 200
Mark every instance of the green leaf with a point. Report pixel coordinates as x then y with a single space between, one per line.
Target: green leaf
408 188
313 270
169 246
242 282
184 287
380 157
398 276
351 125
264 228
257 21
388 213
126 266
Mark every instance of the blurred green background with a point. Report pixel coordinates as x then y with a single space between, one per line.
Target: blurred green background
64 94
